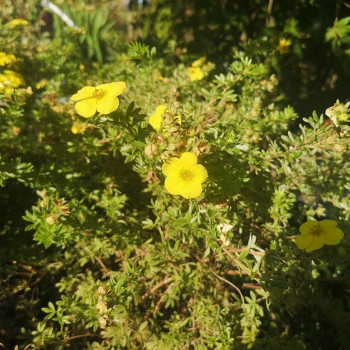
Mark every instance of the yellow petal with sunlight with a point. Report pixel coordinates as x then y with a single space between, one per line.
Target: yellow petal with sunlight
86 108
85 92
155 121
173 185
188 159
200 173
193 190
195 73
107 104
161 109
171 166
115 88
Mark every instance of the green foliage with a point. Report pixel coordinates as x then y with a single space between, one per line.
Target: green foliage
96 254
219 28
340 32
91 27
141 51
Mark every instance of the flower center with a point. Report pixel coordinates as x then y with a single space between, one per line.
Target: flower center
186 175
98 94
316 230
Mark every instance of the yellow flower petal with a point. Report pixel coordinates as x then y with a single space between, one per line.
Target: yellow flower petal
86 108
14 78
332 236
188 159
283 46
161 109
170 166
303 241
195 73
155 120
7 59
306 227
328 224
172 185
78 127
85 92
200 173
115 88
192 190
107 104
315 244
184 175
17 22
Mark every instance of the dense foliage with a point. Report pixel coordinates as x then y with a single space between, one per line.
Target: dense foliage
102 244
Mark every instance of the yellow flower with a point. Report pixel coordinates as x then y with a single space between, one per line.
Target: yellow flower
102 98
15 79
199 62
7 59
314 234
9 81
283 46
17 22
5 89
78 127
81 67
184 176
195 73
40 84
155 120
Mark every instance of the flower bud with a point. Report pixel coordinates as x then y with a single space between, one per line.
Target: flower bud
151 150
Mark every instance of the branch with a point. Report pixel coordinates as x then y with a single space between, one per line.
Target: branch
269 13
102 265
156 309
251 286
230 284
80 336
165 281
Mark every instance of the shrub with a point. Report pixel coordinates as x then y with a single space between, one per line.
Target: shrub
105 243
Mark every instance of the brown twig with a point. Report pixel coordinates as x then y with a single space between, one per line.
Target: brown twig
269 13
234 272
251 286
80 336
102 265
149 288
157 307
230 284
165 281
